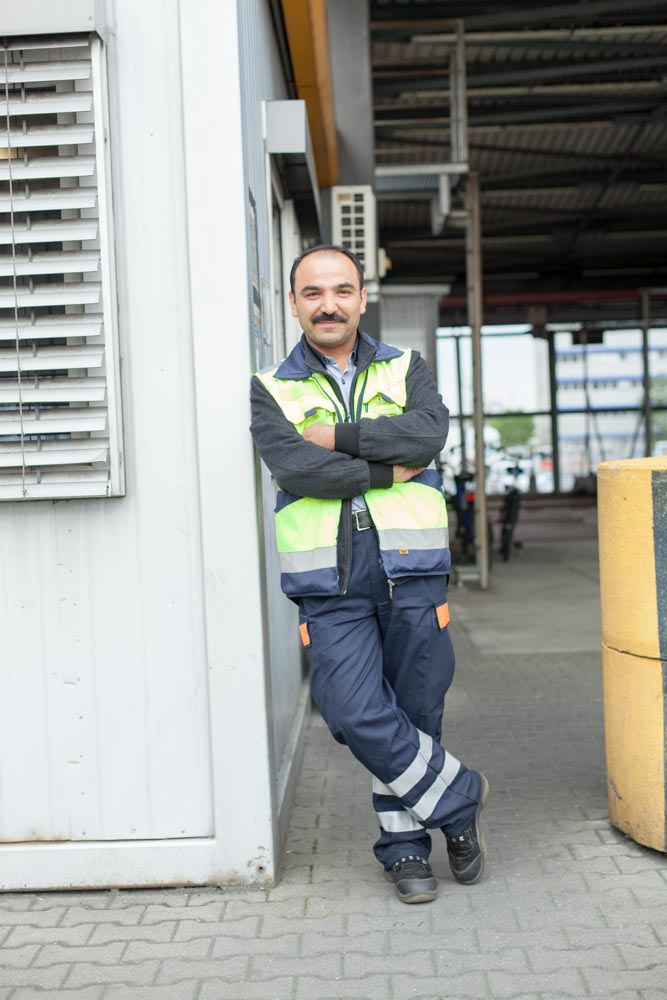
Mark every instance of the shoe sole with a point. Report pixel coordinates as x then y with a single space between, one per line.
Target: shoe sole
460 877
418 896
422 898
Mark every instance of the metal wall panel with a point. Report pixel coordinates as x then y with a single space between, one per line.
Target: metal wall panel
44 17
103 670
411 321
262 80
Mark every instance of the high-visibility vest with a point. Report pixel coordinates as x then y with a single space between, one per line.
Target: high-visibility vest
410 518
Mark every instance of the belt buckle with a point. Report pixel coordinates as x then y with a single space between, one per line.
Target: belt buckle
360 527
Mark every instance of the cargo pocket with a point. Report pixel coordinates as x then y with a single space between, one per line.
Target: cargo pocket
305 634
442 615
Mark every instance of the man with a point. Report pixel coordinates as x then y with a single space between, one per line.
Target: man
348 427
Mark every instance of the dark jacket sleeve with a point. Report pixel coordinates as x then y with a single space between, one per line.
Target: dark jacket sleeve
411 438
304 468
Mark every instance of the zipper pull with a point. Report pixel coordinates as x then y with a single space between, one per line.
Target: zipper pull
391 585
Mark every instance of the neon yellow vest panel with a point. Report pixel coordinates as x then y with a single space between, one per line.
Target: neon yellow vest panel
410 518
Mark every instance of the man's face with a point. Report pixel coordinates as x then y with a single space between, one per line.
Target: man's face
327 300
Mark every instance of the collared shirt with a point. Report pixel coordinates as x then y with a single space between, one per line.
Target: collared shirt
344 380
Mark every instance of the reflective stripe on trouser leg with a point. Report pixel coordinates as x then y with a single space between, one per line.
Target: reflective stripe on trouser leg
359 705
418 662
419 789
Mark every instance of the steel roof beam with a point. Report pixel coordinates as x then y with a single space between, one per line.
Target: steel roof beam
546 181
542 214
525 36
574 13
439 117
552 92
602 90
594 222
575 179
381 13
400 70
433 117
562 154
531 98
500 270
521 40
402 16
527 151
640 49
529 73
593 121
503 236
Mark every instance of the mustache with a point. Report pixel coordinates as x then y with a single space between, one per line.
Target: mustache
334 317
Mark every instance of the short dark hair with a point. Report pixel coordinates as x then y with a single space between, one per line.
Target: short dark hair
327 248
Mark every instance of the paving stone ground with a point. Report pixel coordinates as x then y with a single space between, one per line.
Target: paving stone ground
568 907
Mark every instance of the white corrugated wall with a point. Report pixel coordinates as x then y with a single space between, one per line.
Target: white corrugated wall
262 80
410 320
133 690
101 611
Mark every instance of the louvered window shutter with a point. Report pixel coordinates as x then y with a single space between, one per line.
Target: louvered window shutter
60 420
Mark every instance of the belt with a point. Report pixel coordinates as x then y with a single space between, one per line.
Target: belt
361 520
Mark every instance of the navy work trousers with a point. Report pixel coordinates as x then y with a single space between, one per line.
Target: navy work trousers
380 669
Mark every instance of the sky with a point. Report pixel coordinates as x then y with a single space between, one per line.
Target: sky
514 370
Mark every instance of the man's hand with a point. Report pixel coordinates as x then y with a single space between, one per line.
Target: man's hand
322 434
403 474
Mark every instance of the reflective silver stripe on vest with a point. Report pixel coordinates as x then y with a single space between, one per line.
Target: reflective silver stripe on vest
429 800
414 538
304 562
398 822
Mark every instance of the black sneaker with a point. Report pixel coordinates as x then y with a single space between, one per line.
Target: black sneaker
414 879
468 850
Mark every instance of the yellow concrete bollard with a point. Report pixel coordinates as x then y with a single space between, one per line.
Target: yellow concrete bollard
632 529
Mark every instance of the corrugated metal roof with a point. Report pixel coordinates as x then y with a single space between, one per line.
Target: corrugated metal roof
567 131
413 182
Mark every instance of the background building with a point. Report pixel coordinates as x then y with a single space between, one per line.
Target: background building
608 380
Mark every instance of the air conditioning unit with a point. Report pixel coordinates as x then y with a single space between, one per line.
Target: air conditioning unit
354 224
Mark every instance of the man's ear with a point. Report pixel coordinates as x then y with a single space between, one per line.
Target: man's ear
292 303
364 300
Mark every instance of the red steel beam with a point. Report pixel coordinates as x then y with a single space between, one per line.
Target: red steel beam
548 298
